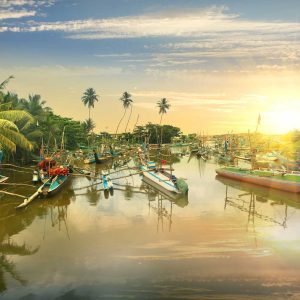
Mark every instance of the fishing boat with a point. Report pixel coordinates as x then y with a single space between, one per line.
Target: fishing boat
54 184
97 158
3 179
160 178
106 181
42 172
280 180
51 186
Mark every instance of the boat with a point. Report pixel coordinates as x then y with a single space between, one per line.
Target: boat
273 179
50 187
53 185
107 182
41 174
3 179
97 158
160 178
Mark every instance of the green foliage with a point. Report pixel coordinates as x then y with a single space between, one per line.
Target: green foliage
150 131
24 123
88 125
163 106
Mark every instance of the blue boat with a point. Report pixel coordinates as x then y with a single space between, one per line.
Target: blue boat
53 185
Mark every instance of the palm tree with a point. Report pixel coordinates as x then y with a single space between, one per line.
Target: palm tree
163 106
126 100
10 136
89 98
5 82
130 104
88 125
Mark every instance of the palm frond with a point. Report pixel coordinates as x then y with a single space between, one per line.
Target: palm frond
17 138
4 124
5 82
16 115
6 143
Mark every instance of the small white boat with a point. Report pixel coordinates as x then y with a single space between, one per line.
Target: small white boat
161 178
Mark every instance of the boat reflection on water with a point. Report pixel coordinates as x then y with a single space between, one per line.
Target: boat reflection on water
252 195
158 202
57 212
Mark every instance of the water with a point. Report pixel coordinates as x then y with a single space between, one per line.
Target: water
225 241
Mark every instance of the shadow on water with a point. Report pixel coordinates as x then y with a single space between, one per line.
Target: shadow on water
13 222
10 225
253 194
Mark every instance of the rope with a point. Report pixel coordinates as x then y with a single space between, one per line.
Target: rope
18 184
13 194
11 165
9 169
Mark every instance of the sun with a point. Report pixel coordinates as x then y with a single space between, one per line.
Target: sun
281 121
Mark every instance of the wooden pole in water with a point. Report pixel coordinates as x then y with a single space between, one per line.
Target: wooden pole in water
27 201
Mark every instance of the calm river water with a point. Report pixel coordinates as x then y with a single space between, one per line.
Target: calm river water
225 240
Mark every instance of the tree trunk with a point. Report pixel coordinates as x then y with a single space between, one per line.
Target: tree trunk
128 118
161 129
121 120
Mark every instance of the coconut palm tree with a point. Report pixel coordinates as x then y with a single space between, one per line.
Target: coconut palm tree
88 125
5 82
163 106
126 101
89 98
130 105
10 136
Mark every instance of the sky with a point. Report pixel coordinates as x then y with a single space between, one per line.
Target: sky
220 63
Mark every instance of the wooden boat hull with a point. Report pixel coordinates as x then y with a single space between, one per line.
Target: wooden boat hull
55 187
159 180
98 160
269 182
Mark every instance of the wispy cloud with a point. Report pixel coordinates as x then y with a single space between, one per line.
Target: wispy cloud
197 37
209 20
204 101
15 14
16 9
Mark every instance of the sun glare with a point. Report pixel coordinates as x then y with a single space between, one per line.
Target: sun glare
282 121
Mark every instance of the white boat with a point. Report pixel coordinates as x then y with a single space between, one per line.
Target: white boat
161 179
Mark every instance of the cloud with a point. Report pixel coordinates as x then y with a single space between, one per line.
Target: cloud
32 3
204 101
13 14
196 37
209 20
16 9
